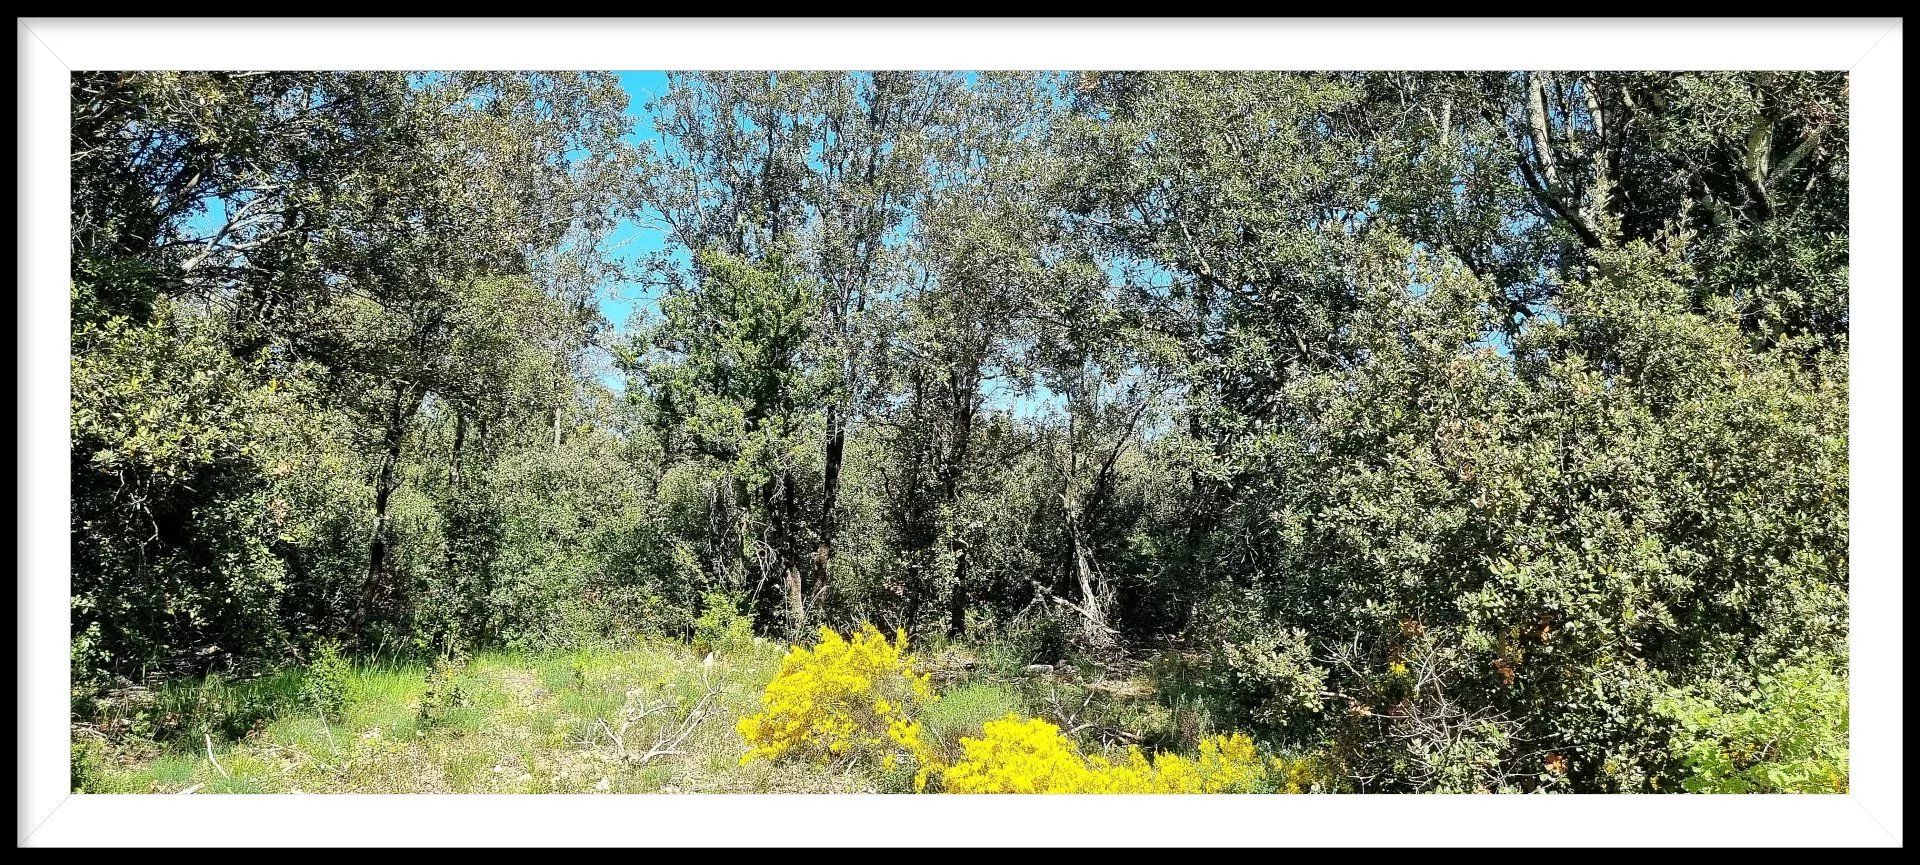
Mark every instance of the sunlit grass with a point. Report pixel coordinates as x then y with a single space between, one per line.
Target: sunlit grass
600 719
564 722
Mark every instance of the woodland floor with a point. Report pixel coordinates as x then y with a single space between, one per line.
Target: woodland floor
647 717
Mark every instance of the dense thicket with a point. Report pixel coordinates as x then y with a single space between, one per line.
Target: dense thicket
1462 424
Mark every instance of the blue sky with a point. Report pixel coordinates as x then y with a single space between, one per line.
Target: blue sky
632 240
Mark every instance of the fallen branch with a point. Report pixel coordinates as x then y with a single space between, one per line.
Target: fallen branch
216 763
701 710
627 718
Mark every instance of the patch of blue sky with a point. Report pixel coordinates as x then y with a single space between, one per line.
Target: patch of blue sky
1003 394
205 220
639 238
1139 273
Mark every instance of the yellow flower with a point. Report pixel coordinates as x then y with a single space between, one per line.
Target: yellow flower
862 696
1032 756
840 697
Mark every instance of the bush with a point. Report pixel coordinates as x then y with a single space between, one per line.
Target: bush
1788 736
1029 638
1272 675
1032 756
171 500
843 700
87 762
1018 756
965 712
444 694
1307 773
721 626
328 677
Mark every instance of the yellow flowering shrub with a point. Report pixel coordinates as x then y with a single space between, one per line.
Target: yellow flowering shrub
843 699
1302 774
1016 755
846 699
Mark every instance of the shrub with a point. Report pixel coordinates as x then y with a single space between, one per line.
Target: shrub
171 436
1032 638
1308 773
87 762
1016 755
965 712
721 626
1272 675
1788 736
842 700
443 695
328 677
1226 764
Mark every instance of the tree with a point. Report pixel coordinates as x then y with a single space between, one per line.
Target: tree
825 168
1465 431
727 375
309 220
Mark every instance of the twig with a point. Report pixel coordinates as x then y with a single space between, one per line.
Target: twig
671 745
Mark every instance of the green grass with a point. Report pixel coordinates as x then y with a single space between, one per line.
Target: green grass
561 722
577 721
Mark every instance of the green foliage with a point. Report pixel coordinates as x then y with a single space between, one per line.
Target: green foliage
721 626
444 695
1787 735
328 677
87 764
172 499
571 552
1448 431
1274 675
242 389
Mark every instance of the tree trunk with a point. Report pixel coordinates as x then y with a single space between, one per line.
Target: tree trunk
776 498
1093 613
796 601
957 602
911 615
459 442
834 458
784 554
376 590
1537 121
962 389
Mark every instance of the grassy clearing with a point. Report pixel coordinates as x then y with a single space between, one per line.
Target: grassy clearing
648 716
600 720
